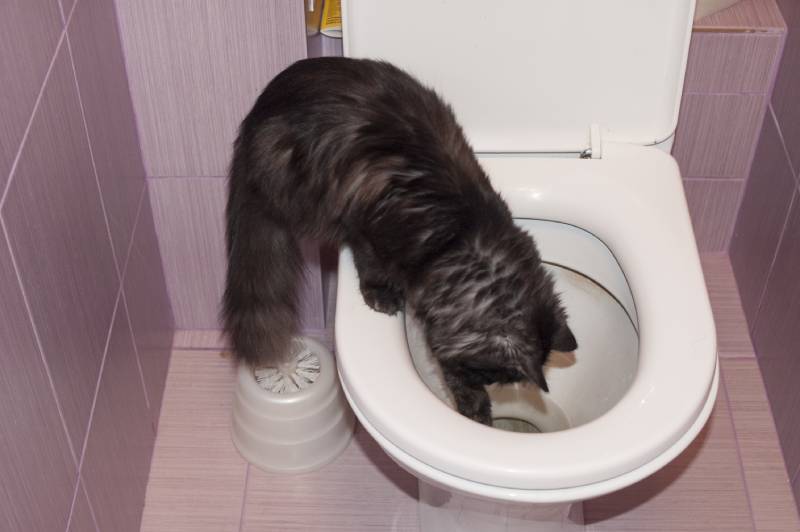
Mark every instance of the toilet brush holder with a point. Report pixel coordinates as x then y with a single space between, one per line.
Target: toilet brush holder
293 418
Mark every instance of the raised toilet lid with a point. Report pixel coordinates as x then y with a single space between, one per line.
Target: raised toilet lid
534 75
632 200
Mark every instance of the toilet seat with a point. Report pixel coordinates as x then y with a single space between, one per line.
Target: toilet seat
632 199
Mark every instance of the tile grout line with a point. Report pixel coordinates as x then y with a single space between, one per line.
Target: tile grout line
750 160
738 447
74 500
91 157
38 340
783 145
712 179
79 485
35 109
244 495
121 35
61 12
136 352
100 376
713 93
127 257
187 177
772 265
763 290
89 503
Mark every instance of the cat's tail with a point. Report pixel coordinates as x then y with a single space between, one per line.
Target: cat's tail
260 305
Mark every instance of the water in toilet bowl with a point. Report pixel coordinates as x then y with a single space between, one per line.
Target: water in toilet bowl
583 385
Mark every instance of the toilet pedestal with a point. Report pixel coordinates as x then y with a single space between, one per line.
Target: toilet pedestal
441 510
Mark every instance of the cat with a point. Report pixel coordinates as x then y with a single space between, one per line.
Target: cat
357 152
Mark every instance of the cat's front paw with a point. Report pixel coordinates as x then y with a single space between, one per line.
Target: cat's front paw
483 416
382 298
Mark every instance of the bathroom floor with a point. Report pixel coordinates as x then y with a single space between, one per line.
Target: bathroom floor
730 479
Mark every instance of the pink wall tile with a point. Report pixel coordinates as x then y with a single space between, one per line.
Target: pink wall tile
731 62
26 54
787 87
777 338
189 216
100 70
82 520
761 217
117 458
716 134
712 205
66 6
780 378
207 62
60 240
36 466
746 15
145 297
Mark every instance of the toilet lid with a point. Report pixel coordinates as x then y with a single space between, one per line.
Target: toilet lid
646 225
534 75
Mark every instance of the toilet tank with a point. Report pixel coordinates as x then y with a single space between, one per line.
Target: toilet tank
535 75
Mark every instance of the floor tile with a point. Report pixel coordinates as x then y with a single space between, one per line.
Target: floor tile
732 336
701 490
197 478
362 490
773 506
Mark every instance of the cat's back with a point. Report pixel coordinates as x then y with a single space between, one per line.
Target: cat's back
329 91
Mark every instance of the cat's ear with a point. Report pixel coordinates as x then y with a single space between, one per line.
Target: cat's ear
563 339
534 370
536 374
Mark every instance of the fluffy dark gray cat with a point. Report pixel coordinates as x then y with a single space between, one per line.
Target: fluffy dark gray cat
358 152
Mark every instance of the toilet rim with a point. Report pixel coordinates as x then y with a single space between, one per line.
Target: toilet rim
437 477
674 382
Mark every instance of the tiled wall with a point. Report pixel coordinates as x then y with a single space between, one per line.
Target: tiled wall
85 324
732 62
196 67
195 70
765 250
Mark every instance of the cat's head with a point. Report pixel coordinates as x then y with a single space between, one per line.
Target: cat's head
495 319
489 349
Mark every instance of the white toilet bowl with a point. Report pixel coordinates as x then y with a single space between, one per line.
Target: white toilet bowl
630 236
534 84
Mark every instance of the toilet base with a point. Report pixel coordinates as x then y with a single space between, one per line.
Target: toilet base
441 510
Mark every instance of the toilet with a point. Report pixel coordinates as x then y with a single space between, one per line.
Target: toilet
570 106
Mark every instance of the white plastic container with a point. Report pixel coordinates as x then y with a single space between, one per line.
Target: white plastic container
295 430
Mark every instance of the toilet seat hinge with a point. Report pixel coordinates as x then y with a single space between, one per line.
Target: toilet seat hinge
595 149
